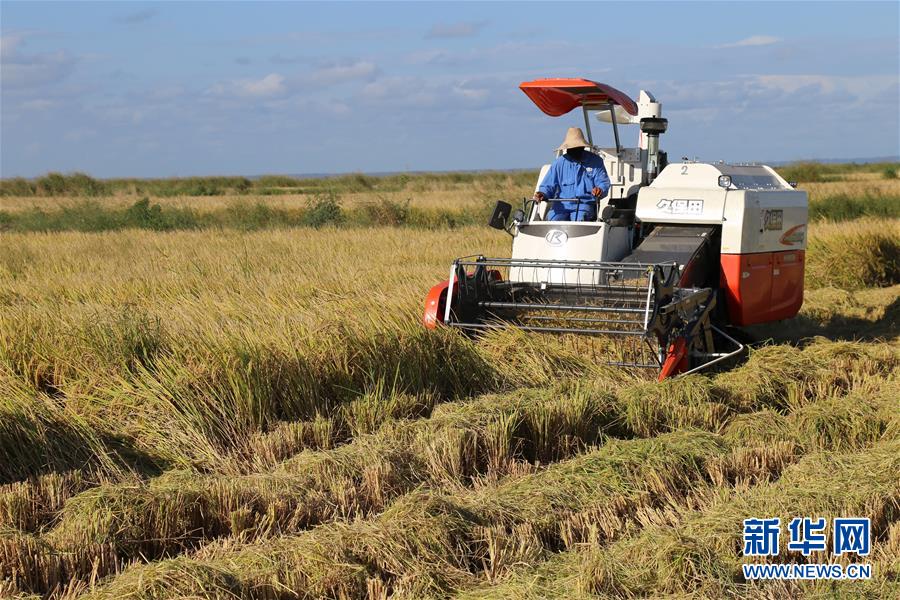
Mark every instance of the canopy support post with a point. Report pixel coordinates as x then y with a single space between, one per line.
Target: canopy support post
612 117
587 124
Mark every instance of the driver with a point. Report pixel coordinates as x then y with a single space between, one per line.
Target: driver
578 176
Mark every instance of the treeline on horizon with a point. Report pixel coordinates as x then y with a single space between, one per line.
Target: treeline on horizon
386 200
84 186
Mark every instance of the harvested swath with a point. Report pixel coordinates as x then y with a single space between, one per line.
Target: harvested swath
340 560
556 577
701 554
698 556
426 543
759 452
486 438
30 504
174 512
850 422
783 376
693 401
28 564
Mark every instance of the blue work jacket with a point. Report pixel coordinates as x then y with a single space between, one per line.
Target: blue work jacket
569 178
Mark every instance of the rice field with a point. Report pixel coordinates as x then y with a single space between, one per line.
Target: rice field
220 413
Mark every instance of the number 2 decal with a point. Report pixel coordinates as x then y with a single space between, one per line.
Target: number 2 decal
684 169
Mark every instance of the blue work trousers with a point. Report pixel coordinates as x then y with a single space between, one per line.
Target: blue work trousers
573 211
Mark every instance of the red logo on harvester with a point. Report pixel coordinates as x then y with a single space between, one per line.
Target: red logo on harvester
794 235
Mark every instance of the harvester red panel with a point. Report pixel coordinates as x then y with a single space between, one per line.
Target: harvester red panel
435 303
762 287
556 97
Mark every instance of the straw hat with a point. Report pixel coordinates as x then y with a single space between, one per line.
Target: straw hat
574 139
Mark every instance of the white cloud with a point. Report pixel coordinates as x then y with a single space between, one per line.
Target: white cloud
470 93
342 72
397 91
276 86
269 86
847 90
21 70
749 92
753 40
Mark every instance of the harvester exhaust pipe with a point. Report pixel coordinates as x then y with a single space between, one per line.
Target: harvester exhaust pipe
652 127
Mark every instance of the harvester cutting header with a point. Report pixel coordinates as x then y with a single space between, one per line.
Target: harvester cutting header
660 258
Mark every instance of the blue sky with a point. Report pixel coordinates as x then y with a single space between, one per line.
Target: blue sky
164 89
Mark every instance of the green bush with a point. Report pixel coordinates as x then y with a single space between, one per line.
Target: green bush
17 186
76 184
387 212
889 172
803 172
51 184
79 184
143 215
324 209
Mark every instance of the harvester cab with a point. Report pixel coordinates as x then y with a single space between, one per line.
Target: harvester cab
679 252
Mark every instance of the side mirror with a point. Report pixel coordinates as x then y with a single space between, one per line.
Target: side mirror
501 215
518 216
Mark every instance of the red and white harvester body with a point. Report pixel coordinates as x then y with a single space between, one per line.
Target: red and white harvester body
679 253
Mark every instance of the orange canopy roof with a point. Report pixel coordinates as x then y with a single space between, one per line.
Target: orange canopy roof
556 97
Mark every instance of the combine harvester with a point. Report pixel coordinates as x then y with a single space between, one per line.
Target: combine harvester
679 253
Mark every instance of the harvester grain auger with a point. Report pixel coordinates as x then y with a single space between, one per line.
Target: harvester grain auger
679 253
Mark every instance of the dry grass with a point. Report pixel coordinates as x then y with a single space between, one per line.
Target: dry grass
698 554
854 255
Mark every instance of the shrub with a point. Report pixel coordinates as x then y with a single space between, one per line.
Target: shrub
51 184
80 184
57 184
324 209
387 212
889 172
143 215
17 186
806 172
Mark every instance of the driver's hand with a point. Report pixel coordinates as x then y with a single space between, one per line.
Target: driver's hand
597 192
539 196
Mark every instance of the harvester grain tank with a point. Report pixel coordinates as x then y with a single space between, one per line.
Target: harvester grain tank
680 252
